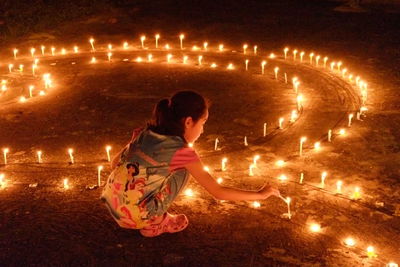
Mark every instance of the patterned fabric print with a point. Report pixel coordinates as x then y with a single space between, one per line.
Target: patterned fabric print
142 186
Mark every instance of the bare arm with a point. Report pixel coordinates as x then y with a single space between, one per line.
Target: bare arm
226 193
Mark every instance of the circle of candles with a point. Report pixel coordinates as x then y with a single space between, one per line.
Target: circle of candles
349 242
315 228
223 164
189 192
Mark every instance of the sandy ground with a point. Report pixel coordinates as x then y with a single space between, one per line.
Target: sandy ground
93 105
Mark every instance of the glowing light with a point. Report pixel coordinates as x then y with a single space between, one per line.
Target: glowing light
299 102
282 178
99 169
255 50
213 65
189 192
200 58
317 145
42 93
265 129
223 164
91 41
251 167
10 67
301 56
65 183
185 59
315 228
109 54
280 163
142 38
125 45
339 187
256 204
5 152
149 57
245 141
139 59
33 52
181 37
169 56
39 156
281 123
93 60
63 51
21 68
338 65
272 56
206 168
302 140
167 47
301 178
342 131
356 195
294 54
53 49
219 180
22 99
190 145
2 181
276 70
31 87
263 66
71 156
329 135
195 48
325 60
294 115
288 200
285 51
255 159
350 119
216 144
392 264
244 49
230 66
157 36
246 64
349 242
108 149
15 53
221 48
323 177
34 66
317 60
311 57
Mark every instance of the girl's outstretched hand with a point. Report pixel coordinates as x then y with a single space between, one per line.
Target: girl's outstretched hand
266 191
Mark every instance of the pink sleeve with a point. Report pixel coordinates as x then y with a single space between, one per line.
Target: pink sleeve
136 132
182 157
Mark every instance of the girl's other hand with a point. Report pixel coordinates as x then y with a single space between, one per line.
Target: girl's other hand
266 191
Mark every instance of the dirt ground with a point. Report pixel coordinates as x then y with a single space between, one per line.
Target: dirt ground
94 105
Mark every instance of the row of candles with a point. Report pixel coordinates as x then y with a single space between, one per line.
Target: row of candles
361 84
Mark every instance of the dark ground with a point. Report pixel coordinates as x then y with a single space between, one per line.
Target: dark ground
95 105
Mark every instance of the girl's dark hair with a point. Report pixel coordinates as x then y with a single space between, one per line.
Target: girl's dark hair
169 113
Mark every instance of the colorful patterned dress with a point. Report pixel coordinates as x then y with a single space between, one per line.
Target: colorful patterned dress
147 179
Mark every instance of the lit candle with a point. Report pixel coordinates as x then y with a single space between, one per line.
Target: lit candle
109 54
285 77
325 60
33 52
149 57
213 65
301 56
99 169
302 140
169 56
294 54
65 183
356 194
272 55
323 177
157 37
220 180
299 102
181 37
139 59
288 200
5 152
221 48
317 60
315 228
108 149
39 156
189 192
329 135
34 66
185 58
15 53
392 264
245 141
263 66
358 115
63 51
142 38
125 45
41 93
371 252
230 66
276 70
349 242
21 68
333 65
338 65
344 71
167 47
71 156
294 115
301 178
205 45
2 181
76 50
339 187
10 67
244 49
350 119
255 159
31 87
190 145
342 132
22 99
281 123
93 60
223 164
285 51
311 57
36 61
53 49
265 129
255 50
247 64
200 59
256 204
92 44
282 178
216 144
296 86
251 167
317 145
280 163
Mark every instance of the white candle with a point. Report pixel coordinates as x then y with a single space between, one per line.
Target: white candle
339 64
245 141
142 38
230 66
281 123
317 60
251 167
71 156
157 37
301 178
301 56
299 102
15 53
205 45
255 159
216 144
63 51
33 52
280 163
5 152
108 149
325 60
65 183
76 50
294 115
265 129
339 187
255 50
221 48
329 135
342 131
31 87
2 181
323 177
39 156
125 45
223 164
263 66
220 180
21 68
33 69
282 178
350 119
302 140
311 57
99 169
53 49
317 145
92 44
294 54
200 59
285 78
288 200
344 71
333 65
22 99
109 54
181 37
244 49
285 50
169 56
276 70
371 252
315 228
10 67
350 242
247 64
149 57
93 60
185 58
213 65
256 204
356 194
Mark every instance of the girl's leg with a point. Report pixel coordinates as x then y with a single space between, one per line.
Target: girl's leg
169 224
